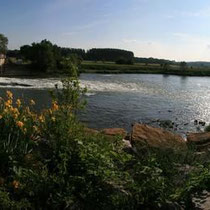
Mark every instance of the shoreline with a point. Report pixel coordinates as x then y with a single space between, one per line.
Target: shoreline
23 70
88 71
168 73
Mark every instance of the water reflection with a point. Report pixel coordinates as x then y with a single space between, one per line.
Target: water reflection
183 80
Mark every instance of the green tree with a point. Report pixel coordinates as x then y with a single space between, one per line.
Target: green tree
3 43
44 55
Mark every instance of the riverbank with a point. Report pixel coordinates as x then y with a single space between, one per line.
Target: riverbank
24 70
112 68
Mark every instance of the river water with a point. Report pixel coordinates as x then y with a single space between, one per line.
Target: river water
120 100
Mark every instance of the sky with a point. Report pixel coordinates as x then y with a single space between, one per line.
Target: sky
171 29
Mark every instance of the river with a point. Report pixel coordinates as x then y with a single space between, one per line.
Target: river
120 100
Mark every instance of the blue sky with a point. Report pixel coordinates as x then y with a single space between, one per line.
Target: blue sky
171 29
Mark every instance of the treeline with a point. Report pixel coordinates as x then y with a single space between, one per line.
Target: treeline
95 54
46 56
107 54
99 54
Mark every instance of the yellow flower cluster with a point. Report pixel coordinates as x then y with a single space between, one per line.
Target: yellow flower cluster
41 118
14 113
9 94
18 102
55 106
16 184
19 124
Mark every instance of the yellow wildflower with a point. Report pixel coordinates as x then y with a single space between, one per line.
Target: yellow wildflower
19 124
55 106
50 111
8 103
41 118
53 119
15 110
32 102
16 184
18 102
9 94
15 116
6 111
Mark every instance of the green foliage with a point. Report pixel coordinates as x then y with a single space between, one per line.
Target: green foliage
44 55
124 61
70 65
47 57
207 128
106 54
3 43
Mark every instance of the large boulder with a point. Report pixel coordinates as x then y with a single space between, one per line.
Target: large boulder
115 132
200 140
144 135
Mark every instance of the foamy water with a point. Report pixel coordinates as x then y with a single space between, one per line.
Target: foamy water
92 85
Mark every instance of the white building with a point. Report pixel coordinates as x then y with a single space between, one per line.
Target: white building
2 62
2 59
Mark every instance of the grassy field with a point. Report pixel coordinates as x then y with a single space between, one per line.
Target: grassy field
111 67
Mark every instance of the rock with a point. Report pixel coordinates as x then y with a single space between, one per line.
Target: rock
166 124
198 138
202 123
155 137
115 132
198 128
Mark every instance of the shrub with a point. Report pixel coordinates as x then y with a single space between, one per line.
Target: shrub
124 61
207 128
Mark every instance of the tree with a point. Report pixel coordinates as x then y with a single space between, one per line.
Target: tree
48 57
124 61
3 43
44 55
